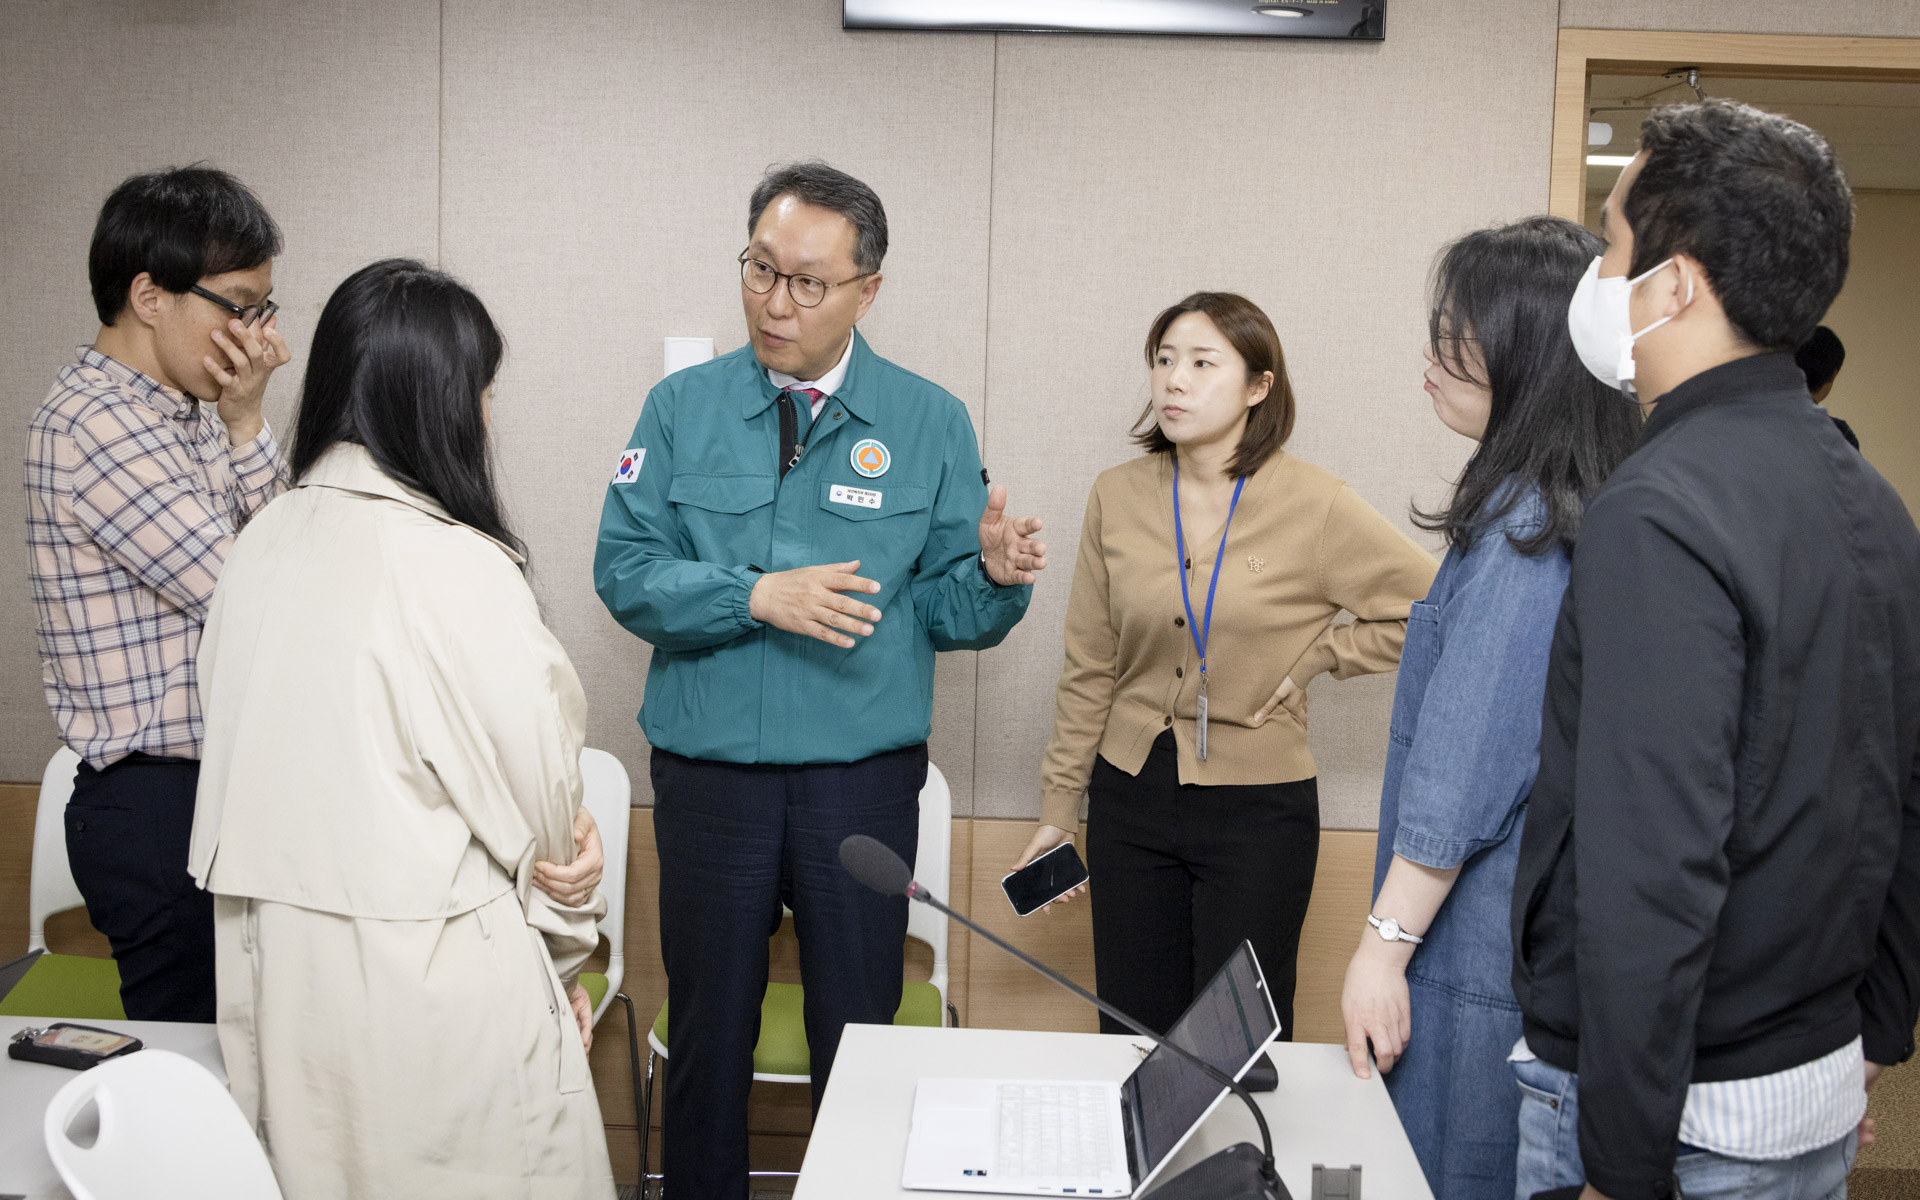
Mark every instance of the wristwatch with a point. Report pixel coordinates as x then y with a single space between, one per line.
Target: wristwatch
987 573
1390 930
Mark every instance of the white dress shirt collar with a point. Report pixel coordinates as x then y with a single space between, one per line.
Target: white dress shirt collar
828 384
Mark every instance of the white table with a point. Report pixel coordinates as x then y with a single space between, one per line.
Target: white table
1319 1114
26 1088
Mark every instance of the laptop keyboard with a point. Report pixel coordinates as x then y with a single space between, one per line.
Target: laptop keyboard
1054 1130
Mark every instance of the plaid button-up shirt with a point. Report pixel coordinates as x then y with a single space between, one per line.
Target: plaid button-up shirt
133 500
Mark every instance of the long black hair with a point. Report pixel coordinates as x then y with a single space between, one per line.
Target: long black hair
1554 429
399 363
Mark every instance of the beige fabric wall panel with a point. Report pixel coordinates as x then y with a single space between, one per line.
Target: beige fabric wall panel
1875 317
1317 178
597 169
1868 18
329 111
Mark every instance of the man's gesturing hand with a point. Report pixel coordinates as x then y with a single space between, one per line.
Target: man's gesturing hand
1006 543
808 601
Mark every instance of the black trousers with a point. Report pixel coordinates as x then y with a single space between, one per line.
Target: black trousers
735 843
1181 874
127 833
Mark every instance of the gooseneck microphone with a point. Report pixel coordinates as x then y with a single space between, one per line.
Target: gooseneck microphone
1226 1175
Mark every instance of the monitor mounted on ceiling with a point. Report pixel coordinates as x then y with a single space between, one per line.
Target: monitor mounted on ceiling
1364 20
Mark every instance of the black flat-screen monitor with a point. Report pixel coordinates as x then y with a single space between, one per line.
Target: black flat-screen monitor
1365 20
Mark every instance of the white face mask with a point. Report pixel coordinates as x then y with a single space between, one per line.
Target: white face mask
1601 323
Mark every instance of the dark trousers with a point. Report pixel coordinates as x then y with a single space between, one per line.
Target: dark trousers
1182 874
127 833
735 843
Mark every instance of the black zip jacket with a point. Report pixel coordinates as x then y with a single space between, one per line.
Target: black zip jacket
1720 874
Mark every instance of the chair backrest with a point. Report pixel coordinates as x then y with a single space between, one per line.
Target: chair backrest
609 797
166 1128
932 866
52 889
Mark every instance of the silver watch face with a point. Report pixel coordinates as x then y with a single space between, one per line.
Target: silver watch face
1390 929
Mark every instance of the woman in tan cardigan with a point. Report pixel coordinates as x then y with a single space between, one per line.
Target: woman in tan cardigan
1203 831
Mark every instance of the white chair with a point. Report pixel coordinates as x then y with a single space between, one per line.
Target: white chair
781 1055
53 889
167 1130
59 985
609 797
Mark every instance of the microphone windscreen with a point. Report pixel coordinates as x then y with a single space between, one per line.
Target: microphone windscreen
869 861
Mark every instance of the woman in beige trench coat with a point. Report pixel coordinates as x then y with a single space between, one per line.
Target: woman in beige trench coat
392 742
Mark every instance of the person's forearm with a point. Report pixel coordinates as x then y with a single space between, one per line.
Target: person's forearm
678 605
1412 894
962 609
244 428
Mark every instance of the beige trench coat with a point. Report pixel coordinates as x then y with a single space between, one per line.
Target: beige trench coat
392 740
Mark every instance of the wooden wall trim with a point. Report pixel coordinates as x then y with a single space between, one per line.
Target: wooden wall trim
1585 52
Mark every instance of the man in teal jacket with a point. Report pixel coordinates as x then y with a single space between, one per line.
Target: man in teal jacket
796 527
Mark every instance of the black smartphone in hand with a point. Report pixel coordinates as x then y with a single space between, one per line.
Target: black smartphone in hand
1045 879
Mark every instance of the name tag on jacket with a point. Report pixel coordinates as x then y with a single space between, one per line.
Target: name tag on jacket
840 493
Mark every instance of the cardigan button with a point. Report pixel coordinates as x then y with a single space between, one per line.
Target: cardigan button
1169 720
1179 621
1179 674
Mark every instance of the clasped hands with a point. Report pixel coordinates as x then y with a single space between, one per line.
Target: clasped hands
819 602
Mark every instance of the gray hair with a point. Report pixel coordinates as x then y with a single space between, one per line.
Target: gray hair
822 186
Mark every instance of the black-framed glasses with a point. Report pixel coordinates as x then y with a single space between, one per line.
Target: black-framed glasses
248 313
760 278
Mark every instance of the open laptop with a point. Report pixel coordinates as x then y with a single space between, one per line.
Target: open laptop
1073 1137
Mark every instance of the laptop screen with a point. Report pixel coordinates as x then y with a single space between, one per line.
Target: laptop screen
1224 1027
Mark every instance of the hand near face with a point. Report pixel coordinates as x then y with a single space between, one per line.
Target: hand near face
245 357
1007 543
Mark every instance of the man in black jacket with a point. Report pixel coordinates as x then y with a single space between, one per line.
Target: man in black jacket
1717 915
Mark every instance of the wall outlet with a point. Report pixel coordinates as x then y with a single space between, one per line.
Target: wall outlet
683 352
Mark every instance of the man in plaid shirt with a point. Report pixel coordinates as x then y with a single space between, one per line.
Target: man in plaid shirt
148 456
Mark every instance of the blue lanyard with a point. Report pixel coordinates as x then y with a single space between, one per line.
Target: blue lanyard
1200 633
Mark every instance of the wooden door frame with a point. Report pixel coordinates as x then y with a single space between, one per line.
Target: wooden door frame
1585 52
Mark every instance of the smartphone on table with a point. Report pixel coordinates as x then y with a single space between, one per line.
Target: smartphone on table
1045 879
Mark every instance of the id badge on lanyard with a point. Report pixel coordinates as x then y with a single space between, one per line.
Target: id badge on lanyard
1200 631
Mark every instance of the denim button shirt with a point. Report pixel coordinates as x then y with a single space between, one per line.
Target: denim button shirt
1465 744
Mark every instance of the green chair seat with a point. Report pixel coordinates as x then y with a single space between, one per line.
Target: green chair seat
782 1049
67 985
919 1005
596 985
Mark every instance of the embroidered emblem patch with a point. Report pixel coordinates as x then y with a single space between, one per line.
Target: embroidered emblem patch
1256 565
871 459
629 468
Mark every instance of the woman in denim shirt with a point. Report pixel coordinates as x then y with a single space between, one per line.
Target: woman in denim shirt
1439 1011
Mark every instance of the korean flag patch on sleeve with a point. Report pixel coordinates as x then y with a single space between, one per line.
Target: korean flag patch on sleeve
629 468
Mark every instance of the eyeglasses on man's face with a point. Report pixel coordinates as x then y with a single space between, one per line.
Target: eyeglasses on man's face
249 314
760 278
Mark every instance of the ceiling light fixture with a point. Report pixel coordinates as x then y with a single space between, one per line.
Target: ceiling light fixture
1609 160
1280 10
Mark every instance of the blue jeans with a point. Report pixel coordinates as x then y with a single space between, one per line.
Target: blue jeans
1550 1152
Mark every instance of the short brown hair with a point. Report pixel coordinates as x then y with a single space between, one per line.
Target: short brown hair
1252 336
